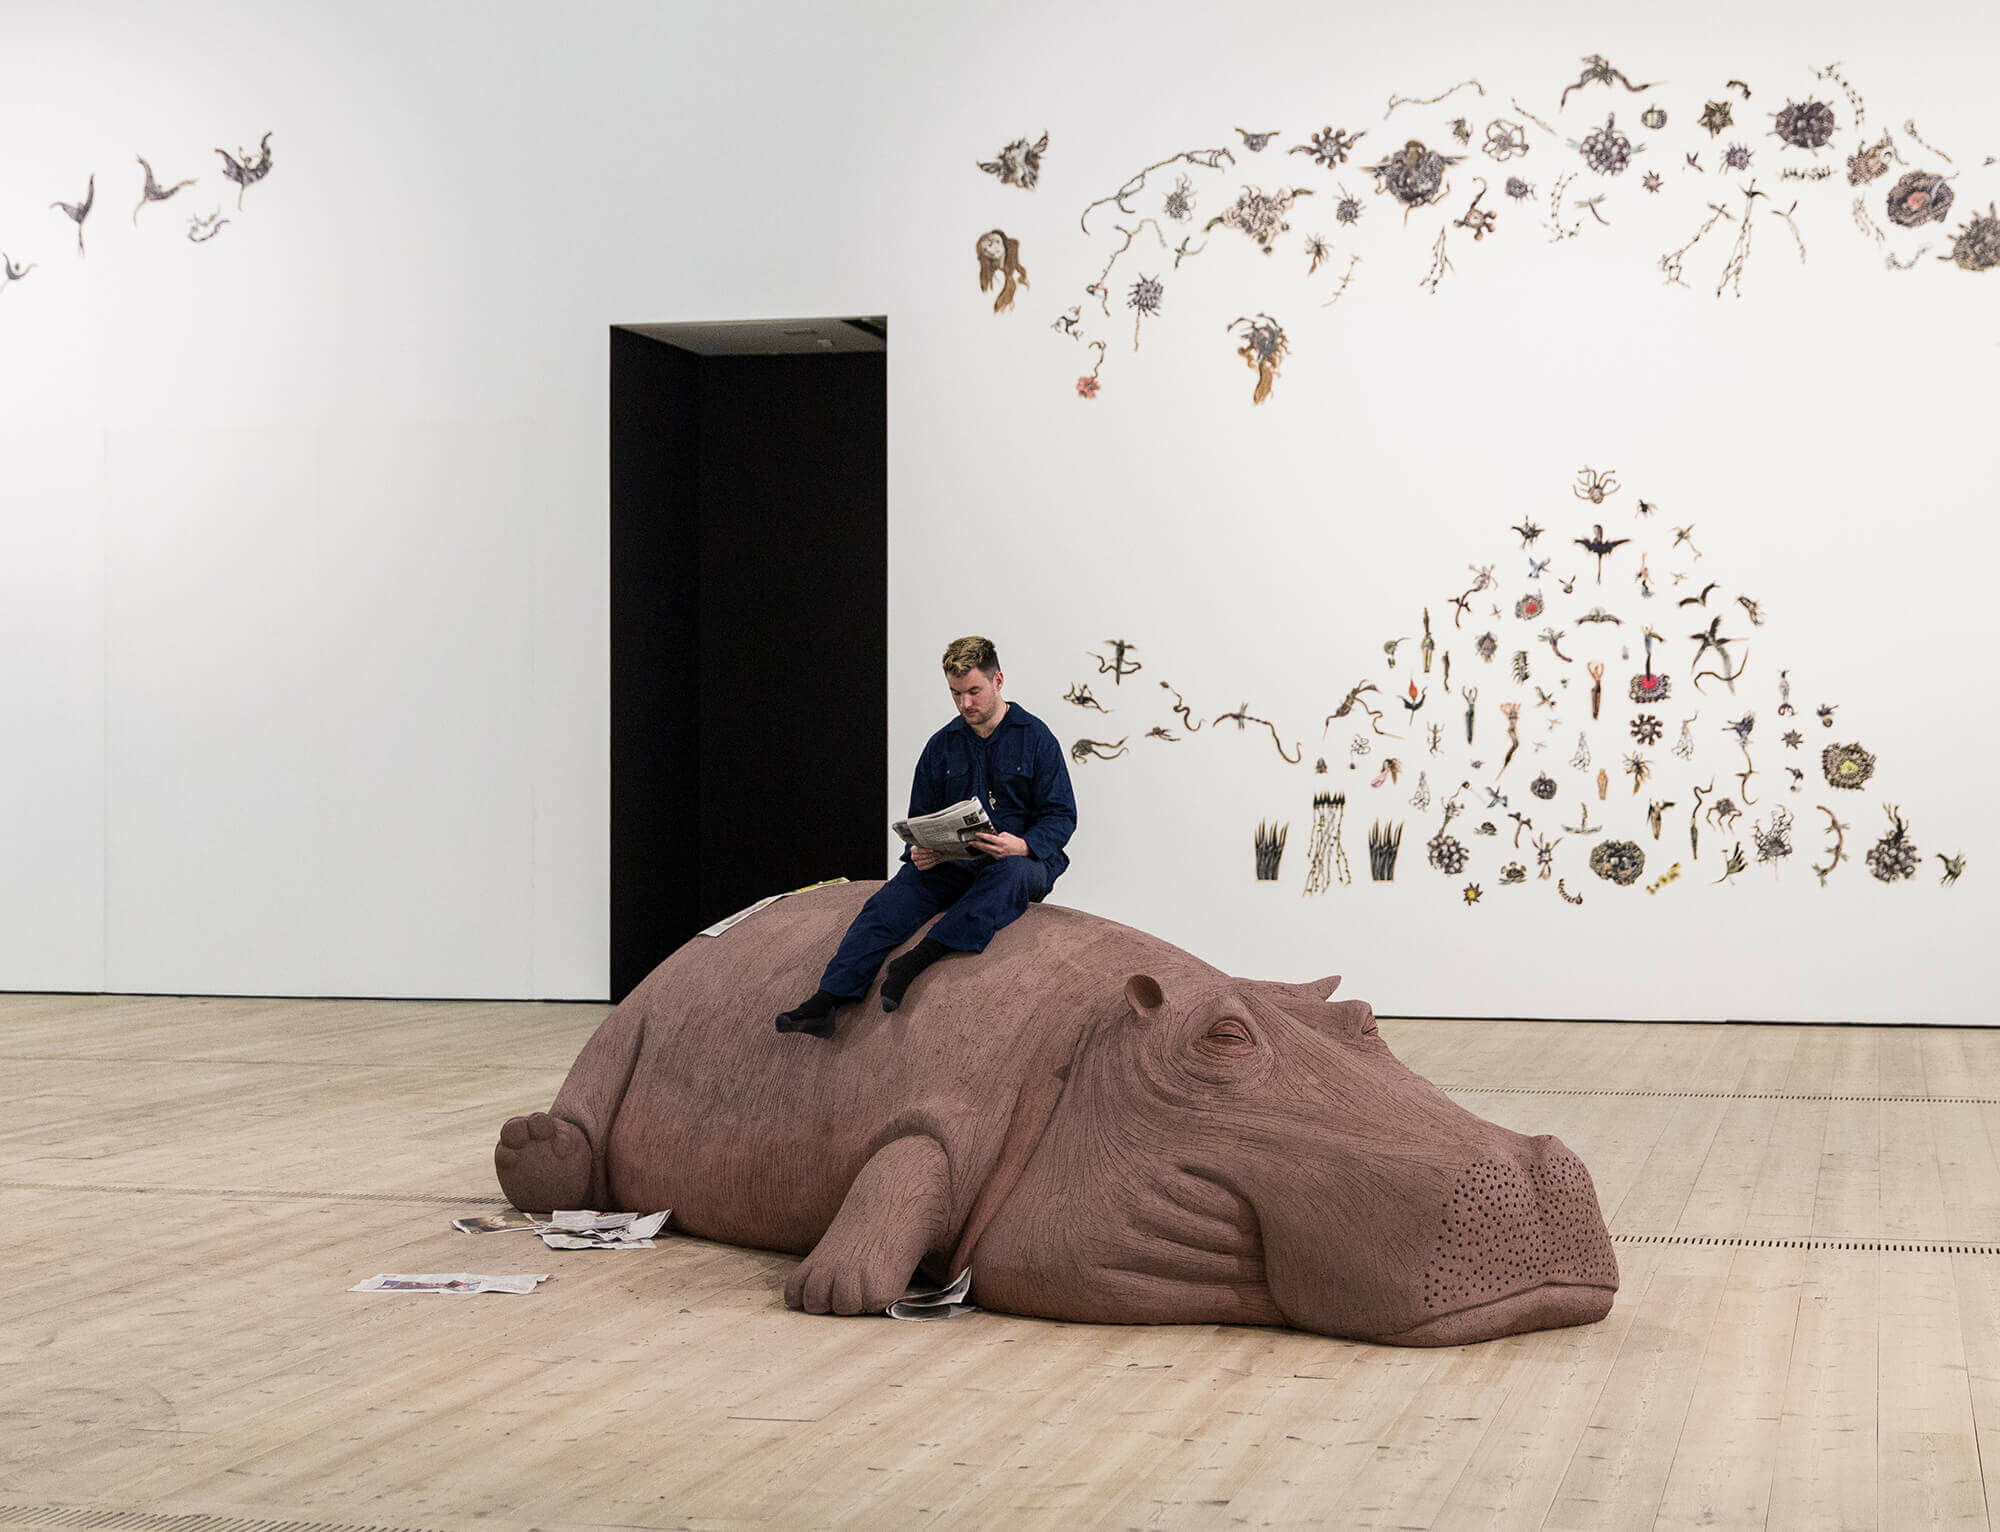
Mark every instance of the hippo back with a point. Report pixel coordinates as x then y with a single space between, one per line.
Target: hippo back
754 1136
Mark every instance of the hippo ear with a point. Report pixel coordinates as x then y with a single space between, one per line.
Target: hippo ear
1144 995
1317 991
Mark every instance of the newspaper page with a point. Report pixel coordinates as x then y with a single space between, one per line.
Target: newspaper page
447 1282
764 904
940 1303
948 832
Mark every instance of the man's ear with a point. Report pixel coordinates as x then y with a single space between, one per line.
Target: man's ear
1144 995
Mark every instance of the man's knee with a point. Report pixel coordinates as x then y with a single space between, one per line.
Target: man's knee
1022 877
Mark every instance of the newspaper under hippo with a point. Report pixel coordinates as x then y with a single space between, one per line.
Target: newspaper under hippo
1103 1126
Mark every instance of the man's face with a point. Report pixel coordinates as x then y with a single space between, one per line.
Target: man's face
977 696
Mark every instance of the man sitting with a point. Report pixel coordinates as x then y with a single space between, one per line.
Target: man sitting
1001 754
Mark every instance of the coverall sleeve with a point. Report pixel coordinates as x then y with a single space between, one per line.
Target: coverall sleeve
1055 801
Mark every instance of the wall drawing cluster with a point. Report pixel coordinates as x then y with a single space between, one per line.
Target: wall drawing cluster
1755 170
1692 763
243 170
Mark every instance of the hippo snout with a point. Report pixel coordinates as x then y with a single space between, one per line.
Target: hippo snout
1520 1245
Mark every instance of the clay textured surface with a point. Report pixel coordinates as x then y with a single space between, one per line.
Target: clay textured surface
1104 1126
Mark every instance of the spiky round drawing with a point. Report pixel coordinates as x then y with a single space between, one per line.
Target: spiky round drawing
1414 175
1606 150
1618 861
1543 787
1652 687
1976 247
1804 124
1715 116
1529 606
1870 161
1893 857
1518 189
1848 766
1736 157
1487 645
1918 198
1646 729
1179 205
1019 164
1330 147
1348 209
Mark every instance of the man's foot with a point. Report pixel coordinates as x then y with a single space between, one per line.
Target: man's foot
905 968
814 1016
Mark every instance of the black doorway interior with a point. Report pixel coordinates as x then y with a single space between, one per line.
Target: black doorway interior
749 616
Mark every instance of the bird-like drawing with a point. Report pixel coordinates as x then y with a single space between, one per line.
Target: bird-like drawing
1528 530
1600 545
11 272
154 191
1257 142
1702 599
1686 535
247 170
1389 649
78 211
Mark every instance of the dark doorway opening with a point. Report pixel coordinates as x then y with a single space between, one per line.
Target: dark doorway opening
749 620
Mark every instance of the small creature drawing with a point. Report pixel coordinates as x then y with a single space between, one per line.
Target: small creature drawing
1079 693
1096 749
1600 545
1019 164
1954 869
1257 143
1351 701
246 170
1598 70
1685 535
1161 731
1414 175
78 211
1118 667
202 230
1188 721
1263 351
154 192
10 272
1329 147
1000 256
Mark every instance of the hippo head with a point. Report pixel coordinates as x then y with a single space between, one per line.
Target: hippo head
1226 1150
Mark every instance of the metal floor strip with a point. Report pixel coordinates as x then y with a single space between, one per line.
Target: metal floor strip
1757 1242
159 1521
1711 1095
257 1193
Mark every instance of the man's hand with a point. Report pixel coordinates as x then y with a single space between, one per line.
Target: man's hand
923 858
999 843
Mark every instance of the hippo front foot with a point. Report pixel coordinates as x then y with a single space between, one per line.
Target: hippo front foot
893 1213
543 1163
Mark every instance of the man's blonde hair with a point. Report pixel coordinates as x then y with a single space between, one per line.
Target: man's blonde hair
962 656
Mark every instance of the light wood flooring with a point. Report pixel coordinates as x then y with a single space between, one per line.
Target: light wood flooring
1808 1333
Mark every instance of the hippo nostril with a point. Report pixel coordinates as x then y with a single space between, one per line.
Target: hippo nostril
1509 1226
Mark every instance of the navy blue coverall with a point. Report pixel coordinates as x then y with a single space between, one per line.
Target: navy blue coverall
1019 773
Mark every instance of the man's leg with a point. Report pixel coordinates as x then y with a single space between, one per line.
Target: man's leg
1000 891
892 912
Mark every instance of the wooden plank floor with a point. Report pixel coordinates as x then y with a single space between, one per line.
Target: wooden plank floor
191 1186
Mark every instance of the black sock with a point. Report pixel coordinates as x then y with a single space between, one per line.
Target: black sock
814 1016
906 968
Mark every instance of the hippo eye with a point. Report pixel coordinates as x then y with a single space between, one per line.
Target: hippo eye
1230 1033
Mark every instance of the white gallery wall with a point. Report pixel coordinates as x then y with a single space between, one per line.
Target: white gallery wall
303 528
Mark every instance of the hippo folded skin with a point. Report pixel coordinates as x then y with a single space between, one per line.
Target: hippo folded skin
1104 1126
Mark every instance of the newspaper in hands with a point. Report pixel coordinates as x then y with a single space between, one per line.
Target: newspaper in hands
447 1282
948 832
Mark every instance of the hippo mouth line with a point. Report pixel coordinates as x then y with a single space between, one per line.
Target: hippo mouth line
1552 1305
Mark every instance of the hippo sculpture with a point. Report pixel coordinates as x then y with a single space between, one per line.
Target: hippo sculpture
1103 1127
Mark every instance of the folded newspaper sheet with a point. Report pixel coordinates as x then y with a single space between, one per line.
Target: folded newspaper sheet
948 832
447 1282
763 904
578 1229
939 1303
